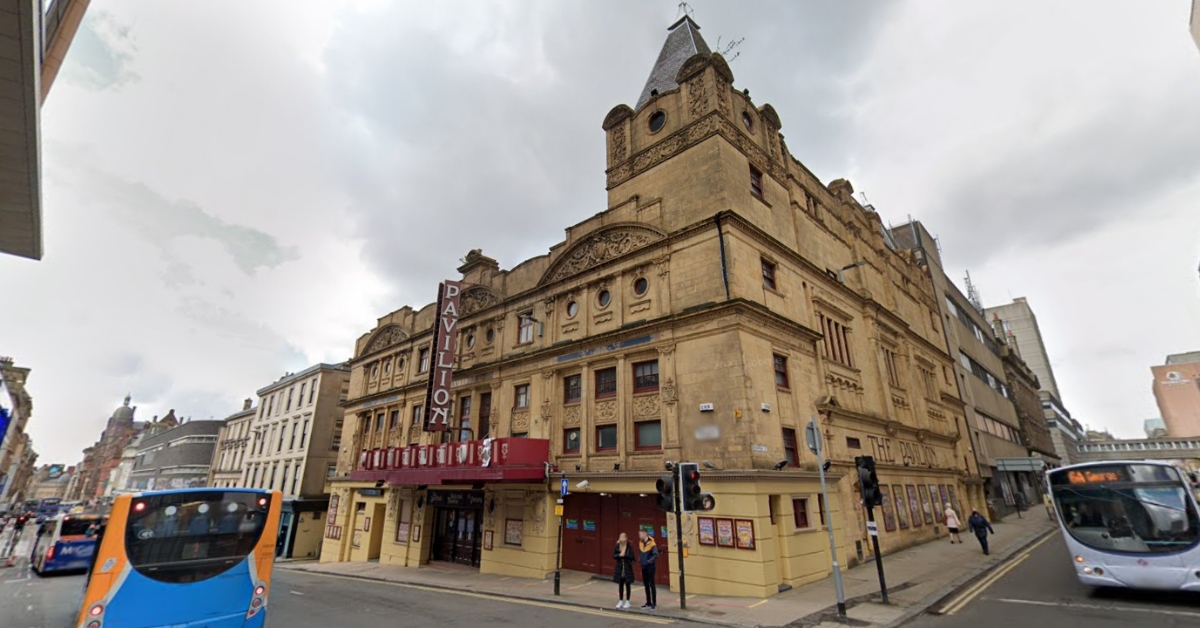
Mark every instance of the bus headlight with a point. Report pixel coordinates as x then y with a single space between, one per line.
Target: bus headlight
1079 559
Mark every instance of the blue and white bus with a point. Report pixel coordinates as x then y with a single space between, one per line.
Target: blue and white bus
1129 524
66 543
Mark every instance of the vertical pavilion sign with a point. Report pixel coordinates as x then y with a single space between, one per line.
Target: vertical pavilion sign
437 395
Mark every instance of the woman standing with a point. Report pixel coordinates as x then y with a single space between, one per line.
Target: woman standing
953 524
623 553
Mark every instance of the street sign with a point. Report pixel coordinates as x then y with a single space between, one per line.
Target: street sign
562 487
558 510
872 528
812 436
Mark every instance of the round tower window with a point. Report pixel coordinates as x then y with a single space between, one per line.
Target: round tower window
657 121
491 335
572 309
470 341
640 286
604 298
747 120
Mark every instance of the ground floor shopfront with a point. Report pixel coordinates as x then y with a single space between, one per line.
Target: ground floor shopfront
767 534
300 525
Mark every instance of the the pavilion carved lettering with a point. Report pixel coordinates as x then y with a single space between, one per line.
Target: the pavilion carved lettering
897 451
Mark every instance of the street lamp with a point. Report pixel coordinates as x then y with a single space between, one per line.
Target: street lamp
530 318
841 277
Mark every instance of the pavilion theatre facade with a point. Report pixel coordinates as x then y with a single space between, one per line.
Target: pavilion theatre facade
723 298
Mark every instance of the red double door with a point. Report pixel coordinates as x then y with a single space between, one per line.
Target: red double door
592 522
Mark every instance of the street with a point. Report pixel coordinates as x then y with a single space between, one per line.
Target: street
301 600
1038 588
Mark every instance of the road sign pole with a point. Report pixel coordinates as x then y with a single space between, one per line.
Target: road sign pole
679 535
558 547
814 444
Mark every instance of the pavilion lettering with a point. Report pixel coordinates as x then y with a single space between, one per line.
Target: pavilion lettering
437 406
896 451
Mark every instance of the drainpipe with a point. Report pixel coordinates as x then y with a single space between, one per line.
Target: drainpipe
721 240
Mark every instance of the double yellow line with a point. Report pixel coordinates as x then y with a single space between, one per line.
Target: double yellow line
974 590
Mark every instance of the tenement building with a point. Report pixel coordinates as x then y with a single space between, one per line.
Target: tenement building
233 441
294 438
723 298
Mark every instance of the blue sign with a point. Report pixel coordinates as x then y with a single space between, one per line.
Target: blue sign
563 487
632 342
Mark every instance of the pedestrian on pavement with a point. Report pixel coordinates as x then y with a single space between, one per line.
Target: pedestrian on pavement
648 558
952 524
980 526
623 571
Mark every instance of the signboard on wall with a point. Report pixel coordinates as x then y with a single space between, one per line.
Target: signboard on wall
437 402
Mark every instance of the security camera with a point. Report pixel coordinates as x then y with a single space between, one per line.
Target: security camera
582 485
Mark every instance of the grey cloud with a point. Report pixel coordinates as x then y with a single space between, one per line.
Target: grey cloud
160 220
221 324
1049 189
102 53
443 156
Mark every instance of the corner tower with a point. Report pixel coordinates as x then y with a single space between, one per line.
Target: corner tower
694 141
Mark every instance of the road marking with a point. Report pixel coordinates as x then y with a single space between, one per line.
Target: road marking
580 586
759 603
501 598
962 600
296 592
1098 607
14 581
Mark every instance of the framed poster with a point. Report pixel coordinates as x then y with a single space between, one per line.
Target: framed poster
356 540
725 533
366 524
487 540
514 531
572 524
416 534
708 533
901 505
954 501
402 530
924 491
331 518
946 500
914 505
889 510
745 534
939 505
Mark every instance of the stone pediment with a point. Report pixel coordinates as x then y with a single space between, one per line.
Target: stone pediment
476 298
602 245
385 338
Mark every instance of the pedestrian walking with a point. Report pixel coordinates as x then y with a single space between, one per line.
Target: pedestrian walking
980 526
952 524
623 554
648 559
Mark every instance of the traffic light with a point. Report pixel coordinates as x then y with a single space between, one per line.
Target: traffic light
666 492
691 496
868 481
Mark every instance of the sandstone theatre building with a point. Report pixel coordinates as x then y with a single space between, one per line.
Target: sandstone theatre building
723 298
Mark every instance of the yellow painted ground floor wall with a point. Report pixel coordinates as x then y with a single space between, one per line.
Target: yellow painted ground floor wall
767 532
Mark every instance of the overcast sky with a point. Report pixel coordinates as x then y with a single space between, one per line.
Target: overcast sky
234 190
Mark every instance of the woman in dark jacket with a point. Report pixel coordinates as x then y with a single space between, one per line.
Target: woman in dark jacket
624 554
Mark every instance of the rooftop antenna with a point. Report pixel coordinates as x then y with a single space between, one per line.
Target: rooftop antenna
973 294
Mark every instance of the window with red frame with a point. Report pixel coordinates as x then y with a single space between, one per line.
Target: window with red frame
789 447
645 377
800 513
606 383
606 438
648 435
521 396
781 371
756 182
572 388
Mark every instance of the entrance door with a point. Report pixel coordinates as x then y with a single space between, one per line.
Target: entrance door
444 532
466 541
375 544
582 549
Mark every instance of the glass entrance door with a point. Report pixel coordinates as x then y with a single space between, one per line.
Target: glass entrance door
457 535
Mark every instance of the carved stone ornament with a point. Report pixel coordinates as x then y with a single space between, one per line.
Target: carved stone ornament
645 407
600 247
892 428
537 512
520 421
546 410
477 298
698 96
666 350
663 265
620 147
571 415
722 89
385 337
549 305
606 411
667 391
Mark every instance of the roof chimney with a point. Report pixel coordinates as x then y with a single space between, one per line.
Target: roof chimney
247 403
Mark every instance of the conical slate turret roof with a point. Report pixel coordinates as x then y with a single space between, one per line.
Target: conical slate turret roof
683 41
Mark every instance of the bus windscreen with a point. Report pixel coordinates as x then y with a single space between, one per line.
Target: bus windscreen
193 536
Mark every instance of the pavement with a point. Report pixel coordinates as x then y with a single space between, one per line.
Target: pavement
917 578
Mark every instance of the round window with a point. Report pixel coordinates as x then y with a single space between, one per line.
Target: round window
572 309
640 286
491 335
400 365
604 298
657 121
470 341
747 120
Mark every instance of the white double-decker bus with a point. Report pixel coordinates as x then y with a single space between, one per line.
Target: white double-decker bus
1130 524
